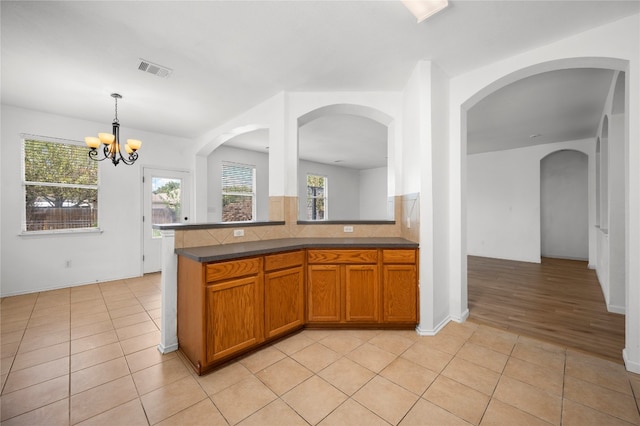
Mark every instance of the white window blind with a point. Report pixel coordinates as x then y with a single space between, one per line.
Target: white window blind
60 185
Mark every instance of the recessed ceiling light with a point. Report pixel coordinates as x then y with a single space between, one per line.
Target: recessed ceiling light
535 135
422 9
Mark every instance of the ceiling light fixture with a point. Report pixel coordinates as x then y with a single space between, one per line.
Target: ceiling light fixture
111 143
422 9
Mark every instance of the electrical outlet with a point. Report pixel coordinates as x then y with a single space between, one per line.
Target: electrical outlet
67 264
238 232
348 229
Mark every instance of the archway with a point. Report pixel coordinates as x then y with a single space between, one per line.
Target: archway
344 150
564 205
604 63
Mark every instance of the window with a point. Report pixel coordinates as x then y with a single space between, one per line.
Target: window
316 197
60 186
238 192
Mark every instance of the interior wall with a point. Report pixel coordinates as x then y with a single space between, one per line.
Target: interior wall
503 200
373 194
35 263
564 205
343 185
214 188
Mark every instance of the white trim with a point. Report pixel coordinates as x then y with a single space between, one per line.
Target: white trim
434 331
616 309
57 232
631 366
462 318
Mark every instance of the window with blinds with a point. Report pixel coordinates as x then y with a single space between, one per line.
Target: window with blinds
238 192
60 186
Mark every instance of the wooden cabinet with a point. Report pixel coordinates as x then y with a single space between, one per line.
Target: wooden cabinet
283 293
343 286
362 287
323 293
227 308
234 316
399 286
220 309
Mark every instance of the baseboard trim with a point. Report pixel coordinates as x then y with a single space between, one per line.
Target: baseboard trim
631 366
165 350
617 309
462 318
435 330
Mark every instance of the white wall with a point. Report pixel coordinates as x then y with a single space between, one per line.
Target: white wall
343 187
564 205
34 263
503 200
214 187
373 194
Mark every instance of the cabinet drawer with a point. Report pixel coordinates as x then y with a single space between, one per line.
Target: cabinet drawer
233 269
399 256
283 260
342 256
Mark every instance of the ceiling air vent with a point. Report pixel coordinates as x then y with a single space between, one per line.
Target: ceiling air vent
154 69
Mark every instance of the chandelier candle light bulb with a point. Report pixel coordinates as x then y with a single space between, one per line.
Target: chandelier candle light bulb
111 143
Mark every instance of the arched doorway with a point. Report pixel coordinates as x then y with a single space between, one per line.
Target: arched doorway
604 63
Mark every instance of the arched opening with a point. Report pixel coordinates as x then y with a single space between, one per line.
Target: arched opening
238 176
597 161
564 205
466 167
604 176
343 171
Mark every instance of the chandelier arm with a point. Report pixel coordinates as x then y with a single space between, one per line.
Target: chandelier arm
93 154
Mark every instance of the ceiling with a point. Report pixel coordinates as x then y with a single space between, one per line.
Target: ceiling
227 56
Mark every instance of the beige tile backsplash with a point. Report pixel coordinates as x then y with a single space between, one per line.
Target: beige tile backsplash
407 225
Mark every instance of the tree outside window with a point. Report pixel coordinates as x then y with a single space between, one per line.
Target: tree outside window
165 202
316 197
60 186
238 192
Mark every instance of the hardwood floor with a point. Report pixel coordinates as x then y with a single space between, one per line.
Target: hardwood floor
557 300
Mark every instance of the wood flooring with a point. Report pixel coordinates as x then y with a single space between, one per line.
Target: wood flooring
558 300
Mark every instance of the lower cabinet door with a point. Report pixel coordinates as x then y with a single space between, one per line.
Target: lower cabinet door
400 294
284 301
362 296
323 293
234 312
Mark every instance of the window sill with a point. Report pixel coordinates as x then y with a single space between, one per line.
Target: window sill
78 231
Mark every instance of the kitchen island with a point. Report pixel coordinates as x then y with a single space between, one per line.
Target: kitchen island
233 298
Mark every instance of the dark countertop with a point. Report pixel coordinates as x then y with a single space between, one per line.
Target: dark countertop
256 248
194 226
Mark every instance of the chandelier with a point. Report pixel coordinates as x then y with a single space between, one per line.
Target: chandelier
111 143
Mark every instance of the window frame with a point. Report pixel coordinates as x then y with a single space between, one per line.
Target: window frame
325 197
252 194
24 137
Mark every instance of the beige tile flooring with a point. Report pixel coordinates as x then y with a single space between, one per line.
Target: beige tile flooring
87 355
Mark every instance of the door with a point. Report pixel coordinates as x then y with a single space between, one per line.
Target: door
234 312
362 302
323 293
166 200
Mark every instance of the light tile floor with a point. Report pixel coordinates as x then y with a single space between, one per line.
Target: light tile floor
87 355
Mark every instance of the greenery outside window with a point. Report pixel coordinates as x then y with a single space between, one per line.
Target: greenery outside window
60 186
238 192
316 197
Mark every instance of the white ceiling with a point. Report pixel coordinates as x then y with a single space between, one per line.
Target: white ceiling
227 56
